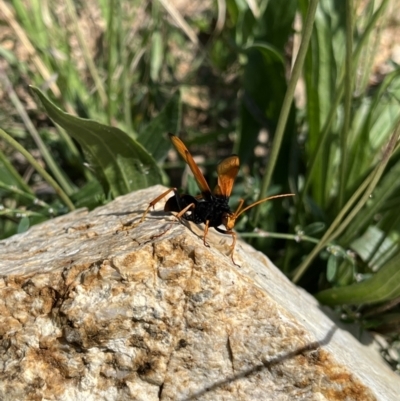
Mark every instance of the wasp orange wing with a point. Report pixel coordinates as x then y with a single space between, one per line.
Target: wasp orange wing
227 171
198 175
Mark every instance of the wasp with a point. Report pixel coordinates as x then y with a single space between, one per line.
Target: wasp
210 207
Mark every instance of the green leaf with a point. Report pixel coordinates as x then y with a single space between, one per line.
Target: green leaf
324 58
156 55
269 52
90 195
154 137
120 163
373 246
374 120
276 23
264 80
385 285
331 268
260 107
23 225
314 228
345 272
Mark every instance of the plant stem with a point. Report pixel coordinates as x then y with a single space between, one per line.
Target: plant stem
348 93
287 103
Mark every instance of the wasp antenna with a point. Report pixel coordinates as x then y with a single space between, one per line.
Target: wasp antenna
240 205
261 201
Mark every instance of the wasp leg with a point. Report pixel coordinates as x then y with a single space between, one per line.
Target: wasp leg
205 233
178 216
152 204
184 210
232 247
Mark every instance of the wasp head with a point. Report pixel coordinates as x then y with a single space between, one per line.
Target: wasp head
228 220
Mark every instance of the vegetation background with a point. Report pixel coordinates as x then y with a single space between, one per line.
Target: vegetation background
305 92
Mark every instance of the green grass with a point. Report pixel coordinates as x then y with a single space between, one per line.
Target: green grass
138 70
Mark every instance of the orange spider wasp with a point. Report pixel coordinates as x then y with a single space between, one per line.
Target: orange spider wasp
211 207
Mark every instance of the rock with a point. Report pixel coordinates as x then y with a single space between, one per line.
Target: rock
93 309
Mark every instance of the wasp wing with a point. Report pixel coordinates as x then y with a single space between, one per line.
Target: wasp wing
198 175
227 171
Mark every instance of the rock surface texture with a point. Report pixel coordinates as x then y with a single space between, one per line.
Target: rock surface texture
91 309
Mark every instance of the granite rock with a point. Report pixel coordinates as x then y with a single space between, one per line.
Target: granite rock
93 309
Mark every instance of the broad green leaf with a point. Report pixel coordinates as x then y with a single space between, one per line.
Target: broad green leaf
383 286
120 163
154 137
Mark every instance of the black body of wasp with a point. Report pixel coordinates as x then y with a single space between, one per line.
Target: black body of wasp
211 210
